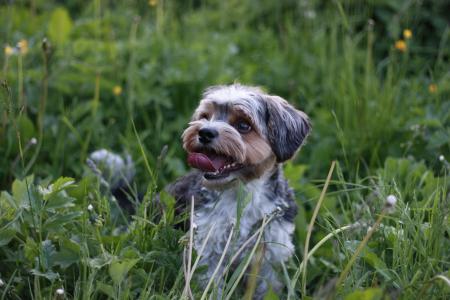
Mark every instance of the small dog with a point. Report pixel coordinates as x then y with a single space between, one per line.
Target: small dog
238 139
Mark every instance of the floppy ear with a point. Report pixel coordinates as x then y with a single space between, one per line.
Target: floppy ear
287 127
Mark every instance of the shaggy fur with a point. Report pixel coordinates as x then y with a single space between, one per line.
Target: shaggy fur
253 175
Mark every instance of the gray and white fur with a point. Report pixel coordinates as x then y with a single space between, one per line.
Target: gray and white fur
254 133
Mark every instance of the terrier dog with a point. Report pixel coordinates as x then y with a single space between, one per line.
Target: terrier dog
237 140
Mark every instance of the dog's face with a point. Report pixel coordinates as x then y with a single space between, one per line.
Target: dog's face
240 133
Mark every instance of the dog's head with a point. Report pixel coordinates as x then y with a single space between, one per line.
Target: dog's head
240 132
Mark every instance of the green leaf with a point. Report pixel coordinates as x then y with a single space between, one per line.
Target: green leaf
100 261
119 269
62 183
55 222
106 289
48 251
69 253
50 275
379 265
60 26
271 295
367 294
6 235
21 192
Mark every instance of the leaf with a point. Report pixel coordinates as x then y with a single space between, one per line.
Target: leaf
379 265
106 289
60 200
100 261
119 269
271 295
69 253
367 294
55 222
60 26
50 275
47 254
6 235
62 183
20 192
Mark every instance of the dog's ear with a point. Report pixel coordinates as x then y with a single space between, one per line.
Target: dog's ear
287 127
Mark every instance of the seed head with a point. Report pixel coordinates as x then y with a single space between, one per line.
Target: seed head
60 291
391 200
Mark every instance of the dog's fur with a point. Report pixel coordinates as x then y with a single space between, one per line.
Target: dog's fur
255 157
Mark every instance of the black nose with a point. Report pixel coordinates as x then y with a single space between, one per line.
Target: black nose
206 135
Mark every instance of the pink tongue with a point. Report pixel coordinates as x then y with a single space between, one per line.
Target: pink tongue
206 163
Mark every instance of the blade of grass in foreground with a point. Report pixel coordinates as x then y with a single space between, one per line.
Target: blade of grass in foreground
311 225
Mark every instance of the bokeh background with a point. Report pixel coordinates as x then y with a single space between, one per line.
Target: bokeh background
125 75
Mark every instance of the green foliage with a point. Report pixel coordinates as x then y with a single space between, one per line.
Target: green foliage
126 75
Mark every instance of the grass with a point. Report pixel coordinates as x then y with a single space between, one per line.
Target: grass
126 76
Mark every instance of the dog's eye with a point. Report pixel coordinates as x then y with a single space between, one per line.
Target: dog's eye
243 127
204 116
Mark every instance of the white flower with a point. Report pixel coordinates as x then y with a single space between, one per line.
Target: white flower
441 157
194 226
90 207
391 200
33 141
60 291
2 283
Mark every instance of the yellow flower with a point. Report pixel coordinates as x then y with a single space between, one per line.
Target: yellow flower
9 50
22 45
407 34
152 2
117 90
400 45
432 88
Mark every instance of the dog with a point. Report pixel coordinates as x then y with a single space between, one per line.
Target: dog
237 140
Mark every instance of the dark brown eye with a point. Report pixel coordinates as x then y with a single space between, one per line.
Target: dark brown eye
243 127
204 116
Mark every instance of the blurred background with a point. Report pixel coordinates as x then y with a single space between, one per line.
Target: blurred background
373 76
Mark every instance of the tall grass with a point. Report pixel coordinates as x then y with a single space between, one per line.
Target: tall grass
127 75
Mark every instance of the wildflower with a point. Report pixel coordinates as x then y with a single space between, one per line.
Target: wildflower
60 291
2 283
400 45
90 207
22 45
391 200
407 34
117 90
152 2
432 88
33 141
441 157
9 50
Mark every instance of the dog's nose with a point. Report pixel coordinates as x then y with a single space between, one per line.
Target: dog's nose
206 135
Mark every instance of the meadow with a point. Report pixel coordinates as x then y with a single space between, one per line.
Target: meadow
77 76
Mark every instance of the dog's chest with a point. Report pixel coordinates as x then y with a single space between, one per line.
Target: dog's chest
241 209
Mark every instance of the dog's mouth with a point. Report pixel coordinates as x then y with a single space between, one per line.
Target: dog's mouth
215 166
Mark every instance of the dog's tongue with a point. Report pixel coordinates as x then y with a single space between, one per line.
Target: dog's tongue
206 163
